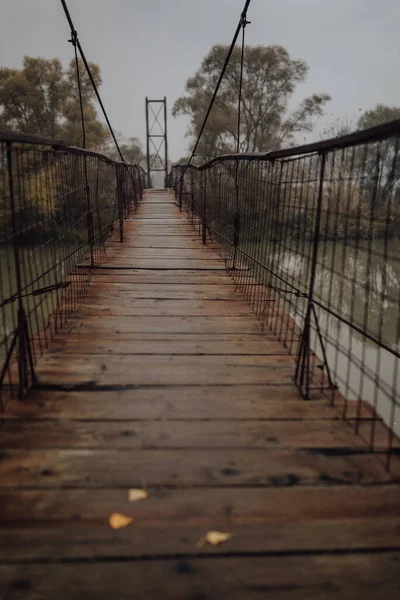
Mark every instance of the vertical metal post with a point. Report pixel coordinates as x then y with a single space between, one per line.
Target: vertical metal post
165 142
120 206
192 192
24 348
180 193
175 184
204 220
148 143
302 374
236 218
89 215
219 198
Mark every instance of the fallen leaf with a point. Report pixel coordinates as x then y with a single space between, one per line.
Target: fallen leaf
135 495
214 538
117 521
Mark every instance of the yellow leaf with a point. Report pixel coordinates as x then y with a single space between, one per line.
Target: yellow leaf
214 538
135 495
117 521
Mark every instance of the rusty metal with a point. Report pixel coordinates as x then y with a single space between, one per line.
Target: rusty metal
291 226
50 241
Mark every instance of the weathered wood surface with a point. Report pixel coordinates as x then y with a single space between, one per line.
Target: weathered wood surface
162 379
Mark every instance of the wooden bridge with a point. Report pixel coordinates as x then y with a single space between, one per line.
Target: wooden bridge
162 381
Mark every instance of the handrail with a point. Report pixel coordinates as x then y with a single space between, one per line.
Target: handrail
58 208
310 236
25 138
58 145
371 134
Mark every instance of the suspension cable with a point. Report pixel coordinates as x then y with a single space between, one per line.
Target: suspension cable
227 59
78 77
75 40
241 25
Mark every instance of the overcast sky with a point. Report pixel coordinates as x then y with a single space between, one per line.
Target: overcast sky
150 47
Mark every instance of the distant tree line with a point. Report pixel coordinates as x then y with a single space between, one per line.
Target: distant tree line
363 185
42 98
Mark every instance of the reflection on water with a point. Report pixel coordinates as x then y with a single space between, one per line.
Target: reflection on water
362 285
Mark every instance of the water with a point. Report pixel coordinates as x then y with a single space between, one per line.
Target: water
361 283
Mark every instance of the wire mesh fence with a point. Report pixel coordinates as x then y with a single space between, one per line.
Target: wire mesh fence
58 208
311 236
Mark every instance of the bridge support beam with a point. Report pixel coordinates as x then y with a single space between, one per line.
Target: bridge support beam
156 139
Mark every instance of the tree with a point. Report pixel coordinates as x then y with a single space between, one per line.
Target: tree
32 98
131 148
183 160
42 99
383 159
132 151
378 115
270 77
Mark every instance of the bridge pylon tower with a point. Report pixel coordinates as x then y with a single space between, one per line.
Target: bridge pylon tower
156 139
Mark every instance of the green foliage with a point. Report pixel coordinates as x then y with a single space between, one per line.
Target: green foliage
385 164
184 160
131 148
270 77
42 99
32 98
378 115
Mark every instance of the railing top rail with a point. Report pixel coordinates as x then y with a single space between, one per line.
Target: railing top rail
58 145
372 134
84 152
25 138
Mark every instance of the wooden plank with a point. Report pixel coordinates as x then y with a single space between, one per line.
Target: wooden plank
161 370
164 232
179 402
182 434
163 220
133 276
227 505
166 292
125 307
156 214
169 264
160 241
172 230
32 541
167 253
93 468
196 344
182 225
125 300
189 325
350 576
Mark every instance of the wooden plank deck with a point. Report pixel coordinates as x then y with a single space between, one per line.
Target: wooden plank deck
162 380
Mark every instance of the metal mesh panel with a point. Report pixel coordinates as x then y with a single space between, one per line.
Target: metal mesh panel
311 237
58 209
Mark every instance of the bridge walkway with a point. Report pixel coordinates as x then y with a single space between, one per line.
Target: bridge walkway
163 382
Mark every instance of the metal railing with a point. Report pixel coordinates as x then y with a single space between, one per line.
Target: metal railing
59 205
311 236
